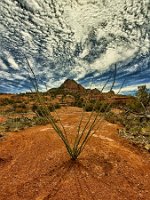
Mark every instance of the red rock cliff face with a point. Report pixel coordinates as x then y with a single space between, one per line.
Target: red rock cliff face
72 86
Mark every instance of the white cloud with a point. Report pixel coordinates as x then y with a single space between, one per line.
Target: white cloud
2 65
133 87
112 56
6 75
11 61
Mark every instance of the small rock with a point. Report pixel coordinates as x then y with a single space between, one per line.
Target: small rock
147 147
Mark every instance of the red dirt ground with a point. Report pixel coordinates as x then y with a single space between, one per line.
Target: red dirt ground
34 165
2 119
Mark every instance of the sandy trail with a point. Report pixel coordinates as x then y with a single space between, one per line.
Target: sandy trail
34 165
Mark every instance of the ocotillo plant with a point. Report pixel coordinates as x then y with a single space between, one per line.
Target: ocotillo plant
84 130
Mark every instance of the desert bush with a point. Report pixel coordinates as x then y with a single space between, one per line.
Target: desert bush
102 107
57 106
50 108
19 108
88 107
6 101
79 102
41 110
40 120
15 124
18 101
143 95
22 105
134 106
112 118
97 106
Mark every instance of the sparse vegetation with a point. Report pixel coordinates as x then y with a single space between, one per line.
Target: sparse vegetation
6 101
135 127
42 104
84 129
143 95
97 106
20 123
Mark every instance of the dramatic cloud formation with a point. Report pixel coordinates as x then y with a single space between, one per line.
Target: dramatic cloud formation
78 39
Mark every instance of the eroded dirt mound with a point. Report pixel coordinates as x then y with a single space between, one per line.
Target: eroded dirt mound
34 165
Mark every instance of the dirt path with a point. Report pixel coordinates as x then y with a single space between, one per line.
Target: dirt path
34 165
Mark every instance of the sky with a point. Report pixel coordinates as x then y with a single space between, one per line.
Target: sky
84 40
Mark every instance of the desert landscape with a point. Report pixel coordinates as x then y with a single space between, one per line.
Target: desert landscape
34 163
74 100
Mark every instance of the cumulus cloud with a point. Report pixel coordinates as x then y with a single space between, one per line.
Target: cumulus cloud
112 56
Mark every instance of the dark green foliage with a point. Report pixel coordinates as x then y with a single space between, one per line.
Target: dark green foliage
51 108
19 108
102 106
6 101
41 110
97 106
134 106
143 95
40 120
79 104
89 107
57 106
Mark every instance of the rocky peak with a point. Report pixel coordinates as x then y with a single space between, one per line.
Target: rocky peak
71 85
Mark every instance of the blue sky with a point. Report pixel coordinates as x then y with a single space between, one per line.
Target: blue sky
83 40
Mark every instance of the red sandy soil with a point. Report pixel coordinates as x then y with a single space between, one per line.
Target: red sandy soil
34 165
2 119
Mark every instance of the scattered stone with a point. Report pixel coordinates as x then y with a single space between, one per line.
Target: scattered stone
147 147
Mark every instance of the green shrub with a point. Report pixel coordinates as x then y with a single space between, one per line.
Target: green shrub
79 103
143 95
98 106
102 107
40 121
6 101
88 107
51 108
19 108
15 124
40 110
135 106
57 106
112 118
